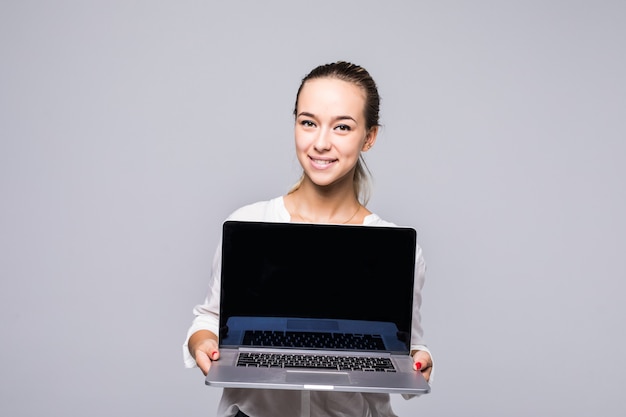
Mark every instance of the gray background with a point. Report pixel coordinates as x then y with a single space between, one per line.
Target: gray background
130 129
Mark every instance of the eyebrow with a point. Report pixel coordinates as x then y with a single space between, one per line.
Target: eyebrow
307 114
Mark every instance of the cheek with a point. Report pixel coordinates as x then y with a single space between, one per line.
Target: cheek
352 146
302 140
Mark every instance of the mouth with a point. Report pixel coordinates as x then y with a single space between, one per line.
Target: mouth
322 163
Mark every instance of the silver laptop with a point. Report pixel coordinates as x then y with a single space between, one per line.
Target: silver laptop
316 307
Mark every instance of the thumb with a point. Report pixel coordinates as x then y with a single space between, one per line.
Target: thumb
421 360
203 361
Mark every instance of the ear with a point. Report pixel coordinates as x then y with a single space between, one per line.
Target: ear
370 139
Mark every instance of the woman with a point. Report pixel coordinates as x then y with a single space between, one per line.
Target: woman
336 115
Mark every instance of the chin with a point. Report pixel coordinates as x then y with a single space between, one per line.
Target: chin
325 181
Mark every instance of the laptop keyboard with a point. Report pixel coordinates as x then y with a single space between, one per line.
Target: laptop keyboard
340 363
313 340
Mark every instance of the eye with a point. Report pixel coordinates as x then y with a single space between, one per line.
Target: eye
307 123
343 128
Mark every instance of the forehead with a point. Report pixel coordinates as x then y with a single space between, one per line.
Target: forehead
332 95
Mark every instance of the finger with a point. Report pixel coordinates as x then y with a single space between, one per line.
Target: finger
203 361
214 355
422 361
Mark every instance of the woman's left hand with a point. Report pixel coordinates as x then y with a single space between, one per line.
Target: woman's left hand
423 362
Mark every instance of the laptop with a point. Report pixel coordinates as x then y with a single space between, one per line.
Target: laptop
316 307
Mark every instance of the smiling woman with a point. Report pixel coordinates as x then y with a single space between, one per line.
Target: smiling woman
331 132
336 120
346 85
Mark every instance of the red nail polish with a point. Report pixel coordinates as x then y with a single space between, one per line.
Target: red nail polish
418 365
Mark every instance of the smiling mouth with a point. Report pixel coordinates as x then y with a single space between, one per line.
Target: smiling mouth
322 161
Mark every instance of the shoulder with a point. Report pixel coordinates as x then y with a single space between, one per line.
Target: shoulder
375 220
269 210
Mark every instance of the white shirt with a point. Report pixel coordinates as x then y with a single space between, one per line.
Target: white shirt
269 403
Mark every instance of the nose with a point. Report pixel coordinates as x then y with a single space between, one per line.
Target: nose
322 140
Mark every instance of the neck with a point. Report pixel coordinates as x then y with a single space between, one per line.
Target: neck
324 205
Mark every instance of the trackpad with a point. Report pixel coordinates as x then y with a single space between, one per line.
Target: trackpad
317 378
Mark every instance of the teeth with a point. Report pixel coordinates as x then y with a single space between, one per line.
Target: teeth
321 162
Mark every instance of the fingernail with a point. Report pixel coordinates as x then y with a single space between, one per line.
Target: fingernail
418 365
213 355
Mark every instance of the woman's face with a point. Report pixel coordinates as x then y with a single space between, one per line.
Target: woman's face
330 130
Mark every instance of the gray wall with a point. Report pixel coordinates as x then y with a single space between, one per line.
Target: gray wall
130 129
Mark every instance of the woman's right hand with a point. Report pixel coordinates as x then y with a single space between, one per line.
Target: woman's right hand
203 347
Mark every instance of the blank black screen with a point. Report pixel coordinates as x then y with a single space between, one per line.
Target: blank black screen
318 271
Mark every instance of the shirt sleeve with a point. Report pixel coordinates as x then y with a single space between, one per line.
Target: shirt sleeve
417 331
207 313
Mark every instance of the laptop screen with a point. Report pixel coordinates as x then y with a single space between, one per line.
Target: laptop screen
332 279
